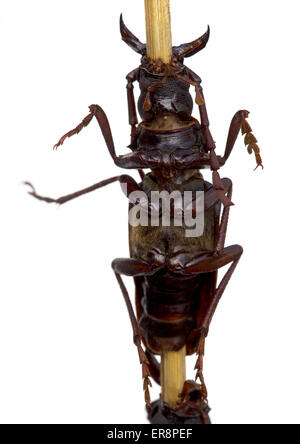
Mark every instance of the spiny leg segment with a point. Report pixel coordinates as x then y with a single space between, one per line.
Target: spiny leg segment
239 123
95 111
146 374
135 267
251 143
209 314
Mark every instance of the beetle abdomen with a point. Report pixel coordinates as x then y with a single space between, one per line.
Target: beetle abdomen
168 307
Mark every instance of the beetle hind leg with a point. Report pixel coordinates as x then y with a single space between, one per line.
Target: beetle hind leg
138 343
134 267
199 363
208 263
154 367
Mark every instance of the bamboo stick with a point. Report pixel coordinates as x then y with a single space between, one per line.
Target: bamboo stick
159 46
158 30
173 375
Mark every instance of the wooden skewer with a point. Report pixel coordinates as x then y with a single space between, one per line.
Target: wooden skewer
173 375
158 30
159 46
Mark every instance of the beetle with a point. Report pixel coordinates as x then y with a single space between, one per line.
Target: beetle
175 275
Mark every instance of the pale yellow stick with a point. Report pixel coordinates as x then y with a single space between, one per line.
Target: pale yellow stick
159 46
173 374
158 30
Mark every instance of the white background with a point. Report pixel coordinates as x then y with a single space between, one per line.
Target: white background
65 338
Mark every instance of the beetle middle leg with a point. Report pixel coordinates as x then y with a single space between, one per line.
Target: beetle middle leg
103 122
239 123
225 217
133 268
130 183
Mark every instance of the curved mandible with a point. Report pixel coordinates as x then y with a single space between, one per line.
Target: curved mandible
191 48
131 40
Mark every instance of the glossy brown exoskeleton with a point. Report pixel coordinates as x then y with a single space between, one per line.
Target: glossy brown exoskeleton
175 275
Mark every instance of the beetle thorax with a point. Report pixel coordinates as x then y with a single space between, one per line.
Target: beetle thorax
158 67
170 179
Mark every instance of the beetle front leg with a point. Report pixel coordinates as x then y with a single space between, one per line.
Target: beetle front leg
209 142
203 111
133 120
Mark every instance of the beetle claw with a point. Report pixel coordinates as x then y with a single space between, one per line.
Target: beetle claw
259 165
29 184
34 194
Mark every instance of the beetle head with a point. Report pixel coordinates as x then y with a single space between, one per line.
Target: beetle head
179 52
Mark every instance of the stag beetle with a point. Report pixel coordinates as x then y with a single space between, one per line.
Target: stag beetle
175 276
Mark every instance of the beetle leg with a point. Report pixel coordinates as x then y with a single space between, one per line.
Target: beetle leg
97 111
74 131
142 174
133 120
214 162
211 197
199 364
221 288
124 179
239 123
207 263
208 317
199 99
138 342
225 256
135 267
233 133
154 367
224 221
101 117
203 111
210 144
204 262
